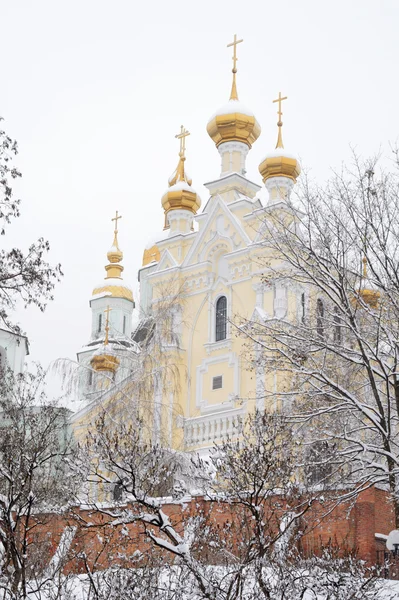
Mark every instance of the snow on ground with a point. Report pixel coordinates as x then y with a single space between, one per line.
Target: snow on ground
77 588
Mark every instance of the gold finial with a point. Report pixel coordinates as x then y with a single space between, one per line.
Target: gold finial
234 95
179 174
116 219
280 123
182 137
107 310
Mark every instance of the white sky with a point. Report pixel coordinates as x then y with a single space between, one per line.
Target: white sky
94 91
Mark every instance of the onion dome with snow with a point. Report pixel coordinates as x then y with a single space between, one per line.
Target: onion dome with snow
234 122
113 284
105 358
279 163
180 195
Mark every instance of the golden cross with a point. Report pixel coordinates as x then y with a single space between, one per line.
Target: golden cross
279 100
234 44
182 137
107 310
116 219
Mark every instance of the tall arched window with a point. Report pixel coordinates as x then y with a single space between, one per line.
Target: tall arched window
221 319
320 317
337 327
303 307
100 321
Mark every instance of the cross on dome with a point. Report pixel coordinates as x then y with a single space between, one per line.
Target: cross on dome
116 219
234 95
234 44
182 137
280 122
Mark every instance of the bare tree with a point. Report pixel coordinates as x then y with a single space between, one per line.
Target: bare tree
242 539
336 249
36 484
24 275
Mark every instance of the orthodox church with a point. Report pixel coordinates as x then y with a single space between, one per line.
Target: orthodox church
213 258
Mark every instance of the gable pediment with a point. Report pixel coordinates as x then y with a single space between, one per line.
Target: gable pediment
167 262
222 231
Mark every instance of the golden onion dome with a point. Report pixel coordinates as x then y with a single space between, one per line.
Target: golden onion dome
105 358
180 195
279 163
104 361
112 284
233 122
151 254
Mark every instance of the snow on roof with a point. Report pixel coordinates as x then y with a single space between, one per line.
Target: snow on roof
156 237
179 186
112 281
101 295
279 152
233 106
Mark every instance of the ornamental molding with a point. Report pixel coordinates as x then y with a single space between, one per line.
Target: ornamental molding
233 363
233 147
212 347
210 228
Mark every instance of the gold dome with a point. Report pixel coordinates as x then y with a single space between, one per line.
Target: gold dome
105 362
105 359
279 163
233 122
113 285
115 291
180 195
151 255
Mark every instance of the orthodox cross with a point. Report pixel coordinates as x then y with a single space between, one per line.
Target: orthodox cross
107 310
182 137
234 44
116 219
279 112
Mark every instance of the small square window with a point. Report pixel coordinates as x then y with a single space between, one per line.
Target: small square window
217 382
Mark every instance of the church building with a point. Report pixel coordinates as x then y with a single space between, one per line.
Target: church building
210 259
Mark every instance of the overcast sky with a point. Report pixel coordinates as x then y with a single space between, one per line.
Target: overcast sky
94 91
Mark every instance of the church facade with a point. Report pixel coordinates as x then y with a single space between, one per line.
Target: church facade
213 264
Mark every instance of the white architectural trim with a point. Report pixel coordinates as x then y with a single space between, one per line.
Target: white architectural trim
233 363
232 219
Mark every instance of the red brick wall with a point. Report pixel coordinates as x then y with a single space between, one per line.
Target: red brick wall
349 527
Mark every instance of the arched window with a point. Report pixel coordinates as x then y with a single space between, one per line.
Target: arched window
303 307
337 327
124 324
100 321
221 319
320 317
118 492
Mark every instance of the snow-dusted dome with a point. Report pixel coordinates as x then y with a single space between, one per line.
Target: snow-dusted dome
233 122
279 163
